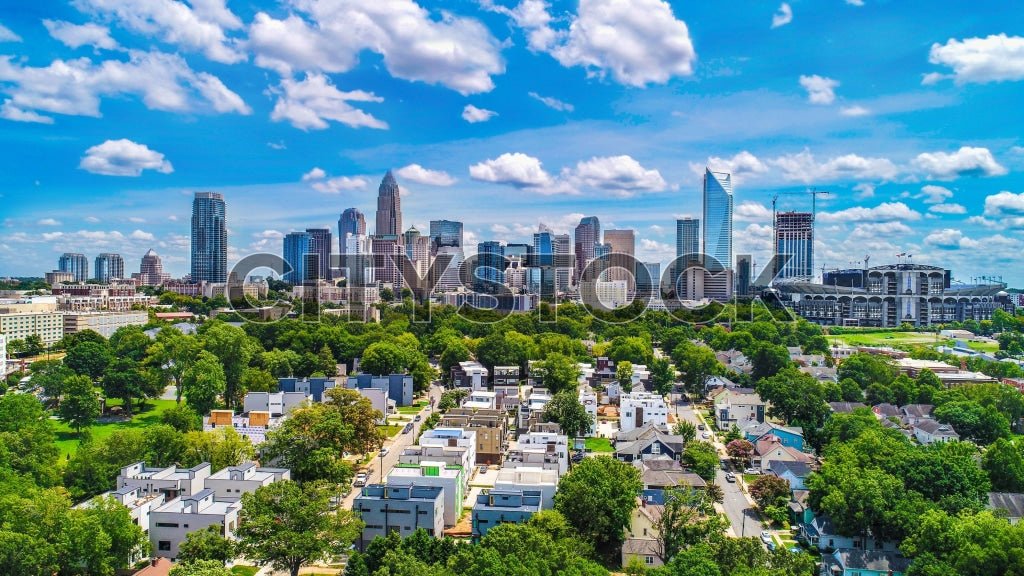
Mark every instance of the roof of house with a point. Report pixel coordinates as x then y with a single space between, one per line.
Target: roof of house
771 443
1012 502
800 496
936 428
918 410
672 478
648 429
886 410
845 407
760 429
640 546
876 560
670 441
797 469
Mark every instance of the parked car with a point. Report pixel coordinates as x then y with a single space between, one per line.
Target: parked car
724 465
796 549
771 546
700 426
730 477
384 451
360 480
407 429
754 471
766 536
417 418
705 435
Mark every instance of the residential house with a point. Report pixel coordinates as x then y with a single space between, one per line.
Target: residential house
1011 503
313 387
276 403
398 386
507 397
496 507
913 414
588 398
734 408
230 483
175 519
792 436
170 481
929 431
548 450
506 376
660 474
821 532
140 507
449 445
529 478
531 411
649 441
471 375
641 537
399 507
449 477
253 425
481 400
491 427
641 408
769 449
851 562
795 473
845 407
886 411
799 511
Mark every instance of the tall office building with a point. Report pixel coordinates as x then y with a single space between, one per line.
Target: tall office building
718 205
621 263
351 223
445 233
358 263
744 274
389 208
151 270
687 236
75 264
417 249
387 251
109 266
541 274
648 279
587 235
561 245
490 266
320 244
794 237
299 257
209 238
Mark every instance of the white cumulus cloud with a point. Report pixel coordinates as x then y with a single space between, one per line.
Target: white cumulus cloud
421 175
76 35
948 209
967 161
312 102
472 114
991 59
935 194
742 164
7 36
1004 204
621 175
314 174
140 235
123 158
854 111
949 239
48 222
552 103
885 212
328 36
783 16
517 169
802 167
339 184
820 90
748 211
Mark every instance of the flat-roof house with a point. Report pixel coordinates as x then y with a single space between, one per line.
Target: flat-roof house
399 507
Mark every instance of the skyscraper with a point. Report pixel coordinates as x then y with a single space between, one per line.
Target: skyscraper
76 264
717 220
299 257
209 238
320 245
389 208
561 245
542 273
151 270
587 234
621 264
109 266
687 236
445 233
417 249
744 274
794 237
490 266
351 223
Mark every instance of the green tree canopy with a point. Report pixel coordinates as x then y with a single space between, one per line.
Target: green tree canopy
565 409
597 498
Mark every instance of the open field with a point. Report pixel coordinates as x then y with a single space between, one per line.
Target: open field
67 439
893 339
599 445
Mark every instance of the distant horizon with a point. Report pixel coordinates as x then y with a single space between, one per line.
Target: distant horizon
907 115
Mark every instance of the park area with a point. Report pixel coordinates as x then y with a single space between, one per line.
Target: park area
905 340
149 415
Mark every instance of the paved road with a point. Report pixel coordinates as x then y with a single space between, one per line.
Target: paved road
735 503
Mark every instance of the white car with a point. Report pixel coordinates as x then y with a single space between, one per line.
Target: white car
706 435
766 536
384 451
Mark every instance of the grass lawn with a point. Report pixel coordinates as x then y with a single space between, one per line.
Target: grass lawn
990 347
599 445
67 439
894 339
748 478
409 409
244 570
390 430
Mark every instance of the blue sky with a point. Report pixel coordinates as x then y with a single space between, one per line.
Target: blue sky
508 113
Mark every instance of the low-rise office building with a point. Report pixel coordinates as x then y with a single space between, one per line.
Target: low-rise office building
401 508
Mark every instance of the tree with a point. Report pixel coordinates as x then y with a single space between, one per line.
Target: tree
557 372
635 349
34 345
679 525
203 382
794 397
383 358
686 429
769 490
702 458
768 359
662 375
1005 466
965 545
290 526
624 374
565 409
980 424
698 364
81 406
175 353
124 379
89 359
206 544
200 568
127 540
220 447
182 418
26 439
867 369
234 349
598 498
453 353
740 450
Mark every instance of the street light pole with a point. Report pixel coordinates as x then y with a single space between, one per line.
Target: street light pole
382 466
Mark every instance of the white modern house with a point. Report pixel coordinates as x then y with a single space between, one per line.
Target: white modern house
548 450
230 483
530 478
171 522
427 473
641 408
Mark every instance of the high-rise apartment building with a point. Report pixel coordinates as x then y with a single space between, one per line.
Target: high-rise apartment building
687 236
417 249
298 256
587 235
151 270
794 237
389 208
209 238
562 247
621 262
490 266
718 206
744 274
350 223
320 244
108 266
76 264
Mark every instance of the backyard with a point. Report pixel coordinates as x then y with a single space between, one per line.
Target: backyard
67 439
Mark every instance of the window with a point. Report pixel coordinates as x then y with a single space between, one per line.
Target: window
649 560
167 524
164 545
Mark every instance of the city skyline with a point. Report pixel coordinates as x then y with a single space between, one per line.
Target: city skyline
912 133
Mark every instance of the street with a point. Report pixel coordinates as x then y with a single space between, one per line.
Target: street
735 503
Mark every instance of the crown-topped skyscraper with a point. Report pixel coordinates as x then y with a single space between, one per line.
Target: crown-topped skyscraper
389 208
